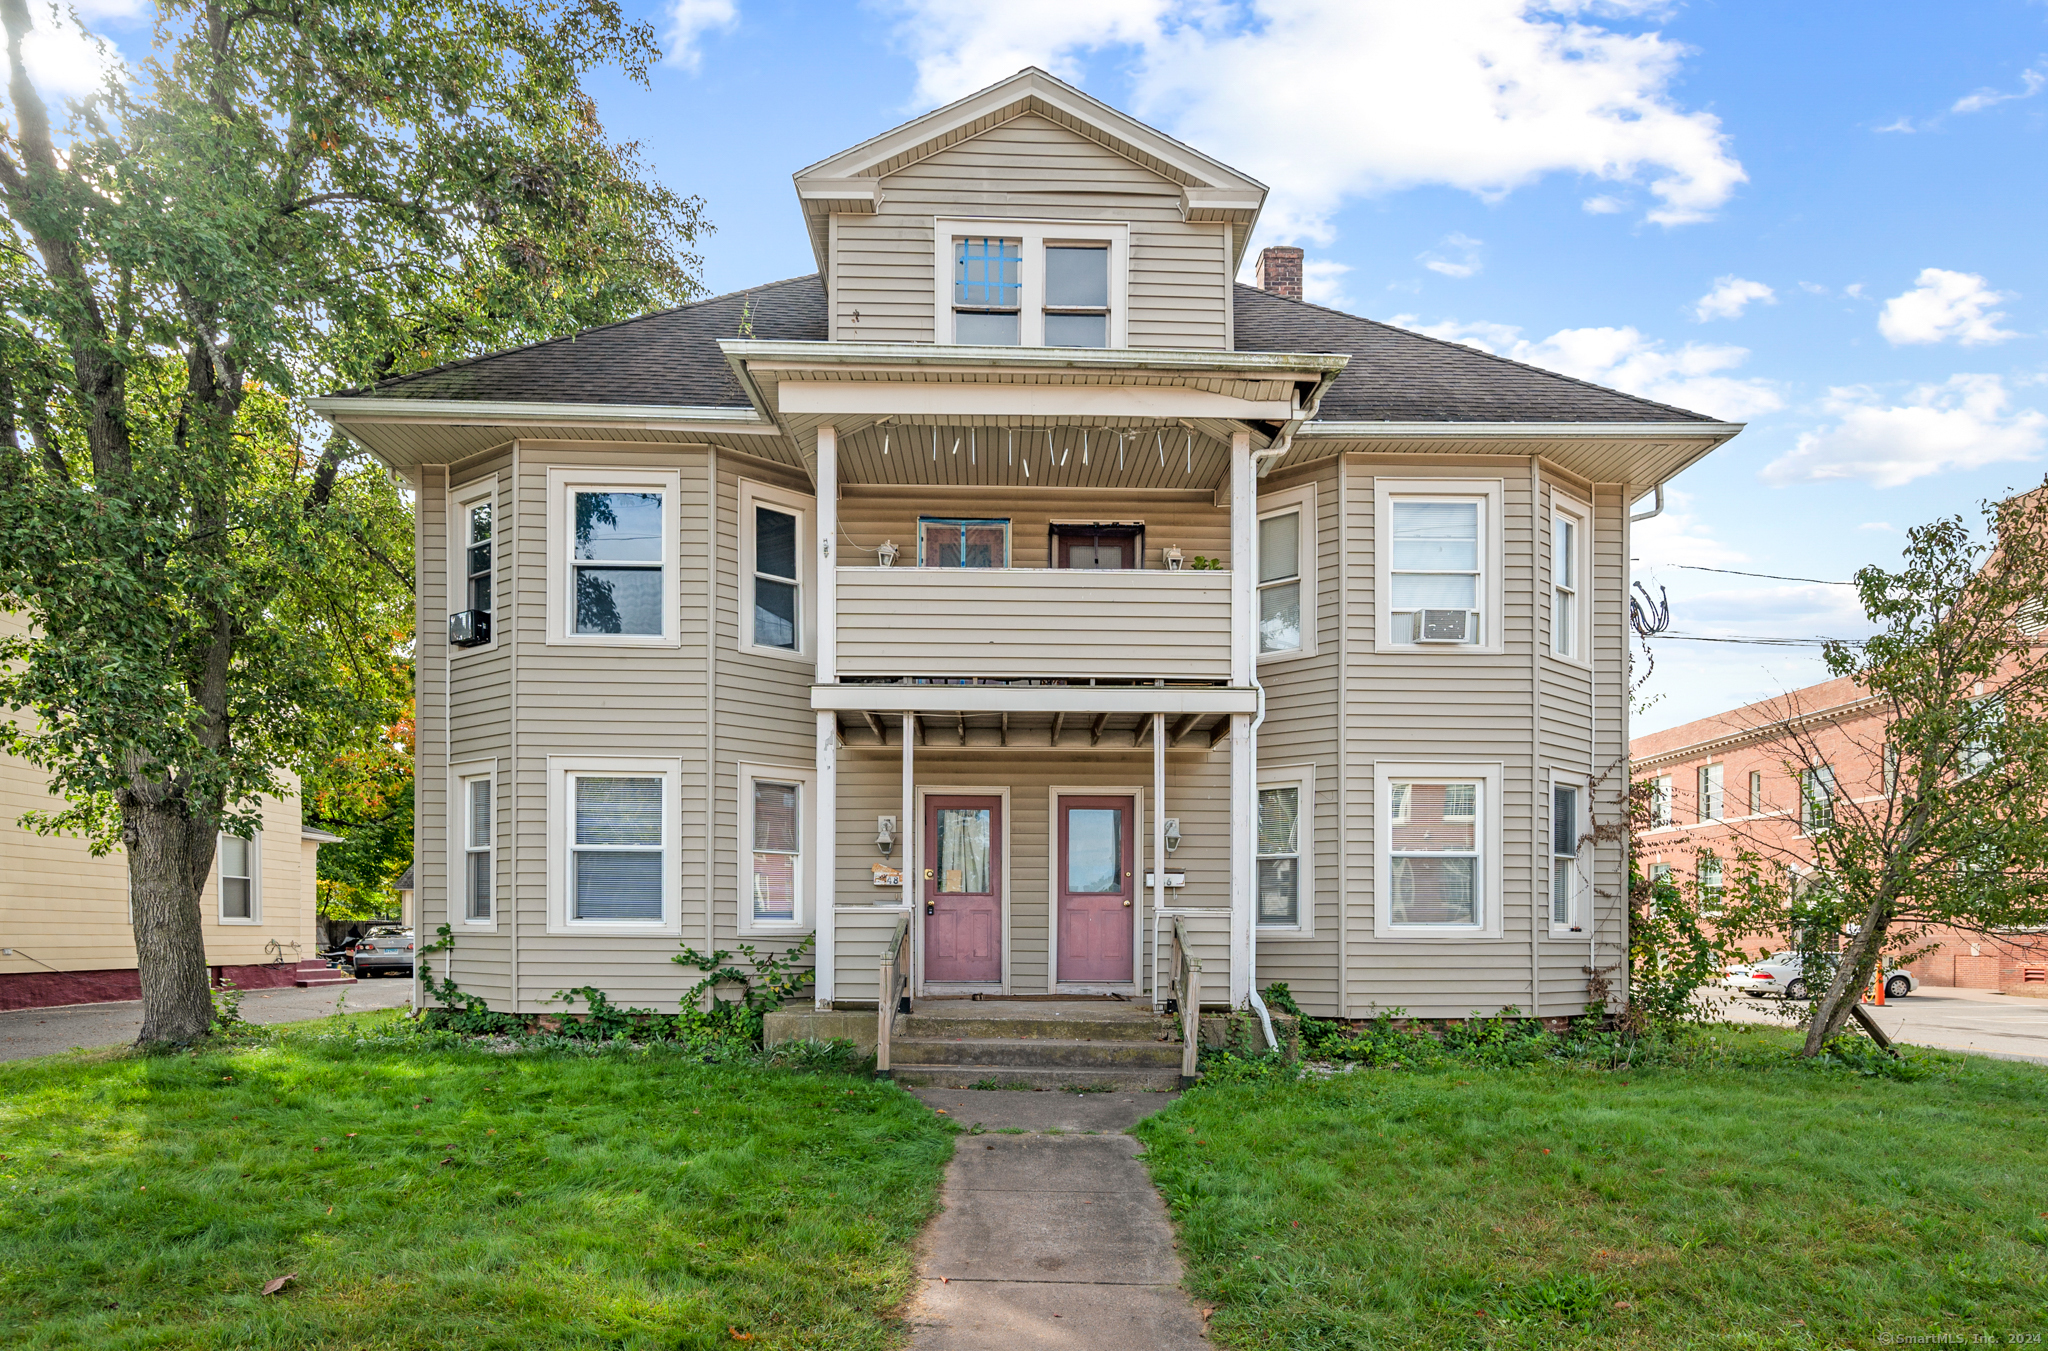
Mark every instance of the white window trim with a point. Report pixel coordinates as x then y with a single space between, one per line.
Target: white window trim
1302 499
458 845
1304 778
457 548
562 482
1565 507
220 899
1035 234
1490 492
1492 843
807 856
560 769
1663 809
1705 768
805 508
1582 873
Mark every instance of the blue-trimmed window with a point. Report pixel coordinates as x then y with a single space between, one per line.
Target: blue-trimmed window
988 291
956 543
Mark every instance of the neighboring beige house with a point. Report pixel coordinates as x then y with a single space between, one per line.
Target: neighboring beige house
65 935
1022 541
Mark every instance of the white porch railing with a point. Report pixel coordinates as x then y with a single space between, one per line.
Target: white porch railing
893 973
1184 971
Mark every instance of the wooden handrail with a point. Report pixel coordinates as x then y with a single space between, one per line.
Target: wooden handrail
1184 970
893 985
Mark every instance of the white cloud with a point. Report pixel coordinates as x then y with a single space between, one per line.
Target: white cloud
1904 125
1854 290
1944 305
1322 283
1329 100
1604 205
1965 422
1879 525
1695 376
1466 264
1680 535
1730 297
66 60
2034 80
690 20
1813 288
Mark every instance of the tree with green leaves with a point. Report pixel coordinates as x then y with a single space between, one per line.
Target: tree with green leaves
1939 817
283 200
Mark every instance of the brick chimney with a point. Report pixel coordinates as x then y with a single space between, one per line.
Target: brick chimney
1279 271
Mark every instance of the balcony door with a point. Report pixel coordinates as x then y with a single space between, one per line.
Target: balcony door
963 878
1096 889
1113 547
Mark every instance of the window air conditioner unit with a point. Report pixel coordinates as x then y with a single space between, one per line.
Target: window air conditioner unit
470 628
1443 626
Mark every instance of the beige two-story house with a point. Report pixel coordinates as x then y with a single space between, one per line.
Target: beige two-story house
1020 581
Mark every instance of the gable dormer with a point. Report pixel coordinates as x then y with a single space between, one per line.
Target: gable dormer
1029 215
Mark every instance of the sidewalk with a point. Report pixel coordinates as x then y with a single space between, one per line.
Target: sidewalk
1053 1236
33 1032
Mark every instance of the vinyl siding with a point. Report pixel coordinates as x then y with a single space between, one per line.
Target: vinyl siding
1029 168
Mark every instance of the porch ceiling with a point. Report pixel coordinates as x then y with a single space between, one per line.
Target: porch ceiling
1078 733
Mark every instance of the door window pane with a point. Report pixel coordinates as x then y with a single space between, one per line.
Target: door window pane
963 840
1095 855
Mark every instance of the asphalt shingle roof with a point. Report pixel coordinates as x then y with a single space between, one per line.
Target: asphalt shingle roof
672 358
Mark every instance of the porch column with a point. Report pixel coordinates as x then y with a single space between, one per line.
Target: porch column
825 849
825 852
1158 836
907 825
1244 771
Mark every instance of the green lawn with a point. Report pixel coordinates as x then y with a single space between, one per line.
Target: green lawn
454 1199
1757 1204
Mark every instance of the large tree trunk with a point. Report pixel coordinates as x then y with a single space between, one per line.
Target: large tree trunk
1852 977
169 857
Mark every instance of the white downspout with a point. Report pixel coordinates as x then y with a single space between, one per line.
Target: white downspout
1258 1004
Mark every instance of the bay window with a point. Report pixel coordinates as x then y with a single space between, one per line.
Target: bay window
775 881
613 830
613 558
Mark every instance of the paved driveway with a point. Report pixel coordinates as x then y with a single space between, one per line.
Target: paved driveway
1939 1016
32 1032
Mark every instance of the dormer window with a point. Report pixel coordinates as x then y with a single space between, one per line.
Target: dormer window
988 292
1028 283
1077 295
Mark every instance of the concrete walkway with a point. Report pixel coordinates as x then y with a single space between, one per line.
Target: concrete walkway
33 1032
1052 1237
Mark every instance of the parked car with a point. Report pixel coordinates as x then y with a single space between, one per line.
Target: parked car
1783 974
383 954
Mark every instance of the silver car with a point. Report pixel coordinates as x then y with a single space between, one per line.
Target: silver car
384 954
1782 974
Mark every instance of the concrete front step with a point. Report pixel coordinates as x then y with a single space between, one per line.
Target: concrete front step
1038 1053
309 980
1006 1076
1128 1027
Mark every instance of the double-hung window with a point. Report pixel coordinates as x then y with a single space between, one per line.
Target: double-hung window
476 558
1077 295
944 542
1434 847
778 851
1756 793
1279 857
618 838
1816 799
1568 534
778 616
1280 582
617 558
477 868
1709 791
235 859
1710 871
1660 800
1437 572
988 292
1564 857
613 557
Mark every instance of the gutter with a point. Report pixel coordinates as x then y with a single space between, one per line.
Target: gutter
517 413
1533 431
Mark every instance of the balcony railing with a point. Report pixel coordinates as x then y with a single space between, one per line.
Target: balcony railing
1033 623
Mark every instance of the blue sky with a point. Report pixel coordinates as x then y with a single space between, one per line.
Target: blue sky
1823 219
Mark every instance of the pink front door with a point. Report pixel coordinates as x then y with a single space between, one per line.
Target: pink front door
963 903
1096 850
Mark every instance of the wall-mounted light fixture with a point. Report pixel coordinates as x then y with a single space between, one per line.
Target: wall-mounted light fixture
1172 833
1171 554
886 555
885 834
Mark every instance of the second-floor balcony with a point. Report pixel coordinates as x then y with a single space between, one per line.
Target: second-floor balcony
1033 623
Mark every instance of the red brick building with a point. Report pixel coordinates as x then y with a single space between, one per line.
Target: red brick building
1730 781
